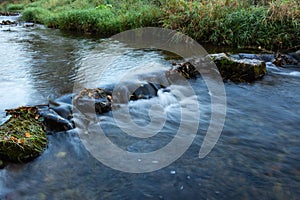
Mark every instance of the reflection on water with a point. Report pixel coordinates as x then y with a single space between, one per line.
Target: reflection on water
257 156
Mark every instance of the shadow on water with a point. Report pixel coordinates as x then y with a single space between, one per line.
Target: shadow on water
257 156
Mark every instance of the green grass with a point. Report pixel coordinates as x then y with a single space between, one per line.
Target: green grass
270 24
92 16
236 23
15 7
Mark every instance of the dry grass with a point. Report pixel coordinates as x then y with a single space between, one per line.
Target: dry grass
282 10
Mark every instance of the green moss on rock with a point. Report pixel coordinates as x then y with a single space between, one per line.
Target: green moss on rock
239 70
23 136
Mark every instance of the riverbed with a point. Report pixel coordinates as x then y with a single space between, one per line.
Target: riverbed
256 157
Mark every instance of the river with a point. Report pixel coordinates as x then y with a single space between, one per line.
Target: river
256 157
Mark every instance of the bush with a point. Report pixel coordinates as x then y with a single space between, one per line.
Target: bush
35 14
84 20
14 7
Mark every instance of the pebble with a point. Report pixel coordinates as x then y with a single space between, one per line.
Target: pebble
61 154
173 172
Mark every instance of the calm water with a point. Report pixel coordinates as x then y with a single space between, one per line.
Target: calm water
256 157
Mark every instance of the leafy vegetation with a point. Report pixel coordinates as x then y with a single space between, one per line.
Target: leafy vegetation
269 24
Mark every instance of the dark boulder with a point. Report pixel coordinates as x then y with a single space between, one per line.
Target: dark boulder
145 91
53 121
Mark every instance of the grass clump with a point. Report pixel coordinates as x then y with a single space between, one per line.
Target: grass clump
90 16
88 20
36 14
269 24
23 136
236 23
15 7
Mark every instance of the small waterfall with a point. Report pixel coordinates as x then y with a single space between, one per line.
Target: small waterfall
166 98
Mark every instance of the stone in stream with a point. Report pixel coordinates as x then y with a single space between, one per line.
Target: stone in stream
187 70
144 90
8 22
282 60
239 70
99 100
297 55
93 101
23 135
62 106
53 121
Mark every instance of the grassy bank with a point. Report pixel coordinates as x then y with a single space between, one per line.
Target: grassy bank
269 24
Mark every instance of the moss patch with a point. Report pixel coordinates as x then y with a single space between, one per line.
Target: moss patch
244 70
23 136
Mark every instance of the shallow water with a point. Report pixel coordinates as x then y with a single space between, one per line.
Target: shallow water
256 157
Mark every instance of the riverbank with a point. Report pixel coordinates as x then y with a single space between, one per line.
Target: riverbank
270 25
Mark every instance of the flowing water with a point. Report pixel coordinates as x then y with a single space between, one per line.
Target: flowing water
256 157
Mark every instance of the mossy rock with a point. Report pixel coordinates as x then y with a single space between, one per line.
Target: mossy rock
239 70
23 135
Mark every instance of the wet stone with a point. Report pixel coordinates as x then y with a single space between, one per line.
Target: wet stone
187 70
53 121
8 22
282 60
93 101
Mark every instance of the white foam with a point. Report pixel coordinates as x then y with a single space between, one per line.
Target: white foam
293 73
166 98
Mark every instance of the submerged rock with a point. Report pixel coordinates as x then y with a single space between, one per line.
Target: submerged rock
23 135
239 70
